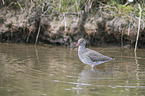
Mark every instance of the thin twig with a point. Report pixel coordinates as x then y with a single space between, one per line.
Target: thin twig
138 27
3 2
129 28
40 24
28 35
38 34
122 38
44 11
19 5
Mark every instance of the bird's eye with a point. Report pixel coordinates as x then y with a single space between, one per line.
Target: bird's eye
82 41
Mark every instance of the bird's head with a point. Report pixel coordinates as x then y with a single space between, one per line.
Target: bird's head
81 42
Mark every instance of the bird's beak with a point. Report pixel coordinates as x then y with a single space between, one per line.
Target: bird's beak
75 46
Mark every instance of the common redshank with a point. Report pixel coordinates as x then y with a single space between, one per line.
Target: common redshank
88 56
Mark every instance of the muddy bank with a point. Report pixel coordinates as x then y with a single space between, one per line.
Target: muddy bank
32 24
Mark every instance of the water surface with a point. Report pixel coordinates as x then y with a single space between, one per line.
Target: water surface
46 70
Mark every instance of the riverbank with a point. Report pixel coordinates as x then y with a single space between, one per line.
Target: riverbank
98 22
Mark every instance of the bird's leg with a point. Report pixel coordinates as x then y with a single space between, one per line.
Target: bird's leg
92 66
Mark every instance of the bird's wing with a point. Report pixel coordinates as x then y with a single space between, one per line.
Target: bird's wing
96 56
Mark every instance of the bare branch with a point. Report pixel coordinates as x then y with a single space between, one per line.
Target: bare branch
38 34
139 19
3 2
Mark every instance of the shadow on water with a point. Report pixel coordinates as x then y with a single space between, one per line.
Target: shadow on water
47 70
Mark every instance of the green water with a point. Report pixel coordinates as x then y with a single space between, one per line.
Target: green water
46 70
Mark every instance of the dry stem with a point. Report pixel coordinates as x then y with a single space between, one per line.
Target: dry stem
138 27
38 34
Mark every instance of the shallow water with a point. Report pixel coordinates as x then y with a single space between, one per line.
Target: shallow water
46 70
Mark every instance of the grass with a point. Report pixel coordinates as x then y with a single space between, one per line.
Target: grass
68 6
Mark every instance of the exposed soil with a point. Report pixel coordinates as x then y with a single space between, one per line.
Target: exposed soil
23 26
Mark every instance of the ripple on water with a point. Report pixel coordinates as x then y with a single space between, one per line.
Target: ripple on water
27 70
